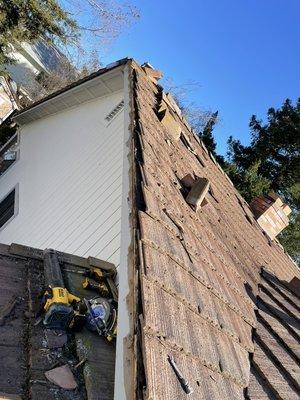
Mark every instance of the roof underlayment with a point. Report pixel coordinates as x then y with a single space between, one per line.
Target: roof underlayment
199 272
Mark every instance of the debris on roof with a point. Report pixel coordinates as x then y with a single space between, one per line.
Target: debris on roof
198 192
153 74
166 118
198 271
168 98
188 181
184 383
62 376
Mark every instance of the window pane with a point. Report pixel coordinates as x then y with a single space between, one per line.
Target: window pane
8 153
7 208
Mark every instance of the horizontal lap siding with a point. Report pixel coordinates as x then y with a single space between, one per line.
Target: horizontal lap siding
70 182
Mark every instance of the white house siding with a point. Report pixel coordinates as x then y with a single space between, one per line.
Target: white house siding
70 182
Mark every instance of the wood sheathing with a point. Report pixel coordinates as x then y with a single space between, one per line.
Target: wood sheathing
198 272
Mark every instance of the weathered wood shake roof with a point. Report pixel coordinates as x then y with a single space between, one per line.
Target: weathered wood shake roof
198 271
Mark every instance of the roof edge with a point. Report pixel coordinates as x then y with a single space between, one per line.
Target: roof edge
79 82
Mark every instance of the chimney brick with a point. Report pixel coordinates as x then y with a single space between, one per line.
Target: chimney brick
271 213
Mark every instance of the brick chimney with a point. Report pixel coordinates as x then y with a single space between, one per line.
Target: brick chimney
271 213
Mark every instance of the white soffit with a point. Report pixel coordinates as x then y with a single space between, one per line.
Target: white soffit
99 86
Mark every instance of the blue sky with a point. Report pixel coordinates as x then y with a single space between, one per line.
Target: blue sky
244 53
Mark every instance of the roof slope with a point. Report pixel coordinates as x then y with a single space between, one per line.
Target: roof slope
198 271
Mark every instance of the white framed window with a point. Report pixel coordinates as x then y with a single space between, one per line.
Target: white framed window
9 153
9 206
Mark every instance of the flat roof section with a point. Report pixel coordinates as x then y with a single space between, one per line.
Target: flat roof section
25 346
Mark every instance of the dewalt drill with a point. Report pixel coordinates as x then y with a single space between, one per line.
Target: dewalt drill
57 301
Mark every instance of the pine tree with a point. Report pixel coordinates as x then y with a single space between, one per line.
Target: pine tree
27 21
274 153
276 144
290 237
248 182
207 134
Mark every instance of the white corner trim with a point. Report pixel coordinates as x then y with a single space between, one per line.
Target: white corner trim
126 239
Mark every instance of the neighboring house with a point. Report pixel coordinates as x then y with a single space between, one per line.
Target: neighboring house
109 168
32 59
8 98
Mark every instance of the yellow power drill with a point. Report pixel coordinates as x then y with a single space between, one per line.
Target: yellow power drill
57 301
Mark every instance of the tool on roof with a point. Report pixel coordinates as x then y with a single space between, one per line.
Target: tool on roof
92 285
102 310
101 317
64 311
57 301
102 282
184 383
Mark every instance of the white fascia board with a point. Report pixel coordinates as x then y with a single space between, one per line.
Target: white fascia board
44 109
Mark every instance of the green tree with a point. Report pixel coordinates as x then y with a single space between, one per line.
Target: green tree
77 27
27 21
207 133
249 182
272 161
290 237
207 136
276 144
